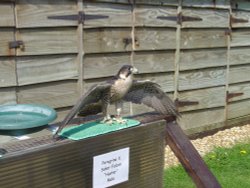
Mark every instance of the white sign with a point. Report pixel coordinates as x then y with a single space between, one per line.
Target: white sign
111 168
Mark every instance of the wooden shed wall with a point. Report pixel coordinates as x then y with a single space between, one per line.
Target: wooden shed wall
201 60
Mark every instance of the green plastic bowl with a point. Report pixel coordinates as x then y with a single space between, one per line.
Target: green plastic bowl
24 116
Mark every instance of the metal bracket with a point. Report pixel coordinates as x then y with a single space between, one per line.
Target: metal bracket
179 103
17 44
237 20
232 95
128 41
180 18
80 17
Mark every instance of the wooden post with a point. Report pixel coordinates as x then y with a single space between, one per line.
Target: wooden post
189 157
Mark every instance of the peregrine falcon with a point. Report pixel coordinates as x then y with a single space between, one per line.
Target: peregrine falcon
122 87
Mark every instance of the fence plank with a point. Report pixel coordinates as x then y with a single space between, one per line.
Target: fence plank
244 15
238 109
7 15
239 56
225 4
240 37
202 120
202 78
47 41
8 72
35 13
203 38
240 5
106 40
119 15
154 61
211 18
6 36
238 88
8 96
202 58
158 2
205 97
38 69
110 1
147 16
239 74
155 38
55 94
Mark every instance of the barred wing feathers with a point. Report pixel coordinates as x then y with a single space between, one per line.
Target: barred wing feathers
150 94
93 95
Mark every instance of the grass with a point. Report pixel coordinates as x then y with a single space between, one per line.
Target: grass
230 166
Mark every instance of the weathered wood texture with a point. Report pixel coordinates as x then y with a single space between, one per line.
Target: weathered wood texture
119 15
240 37
239 56
7 15
32 13
244 16
8 72
32 70
193 57
206 3
54 94
155 38
202 120
208 98
240 5
203 38
8 96
239 74
147 16
47 41
210 18
239 109
204 58
6 36
106 40
202 78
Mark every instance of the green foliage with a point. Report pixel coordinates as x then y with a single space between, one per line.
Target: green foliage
230 166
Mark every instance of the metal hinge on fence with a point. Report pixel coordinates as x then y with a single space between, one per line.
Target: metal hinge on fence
80 17
16 44
232 95
180 18
180 103
234 20
128 41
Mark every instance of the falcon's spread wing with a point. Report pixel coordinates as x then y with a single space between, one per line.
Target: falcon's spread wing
92 96
95 107
150 94
90 109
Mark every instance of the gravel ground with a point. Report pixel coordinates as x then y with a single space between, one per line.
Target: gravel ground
225 138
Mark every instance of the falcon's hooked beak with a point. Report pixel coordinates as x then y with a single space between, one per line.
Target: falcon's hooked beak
134 70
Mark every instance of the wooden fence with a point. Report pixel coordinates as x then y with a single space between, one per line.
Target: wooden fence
53 51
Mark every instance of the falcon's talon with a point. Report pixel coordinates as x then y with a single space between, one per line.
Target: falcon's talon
107 120
120 120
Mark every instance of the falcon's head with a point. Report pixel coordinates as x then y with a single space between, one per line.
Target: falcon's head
126 71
